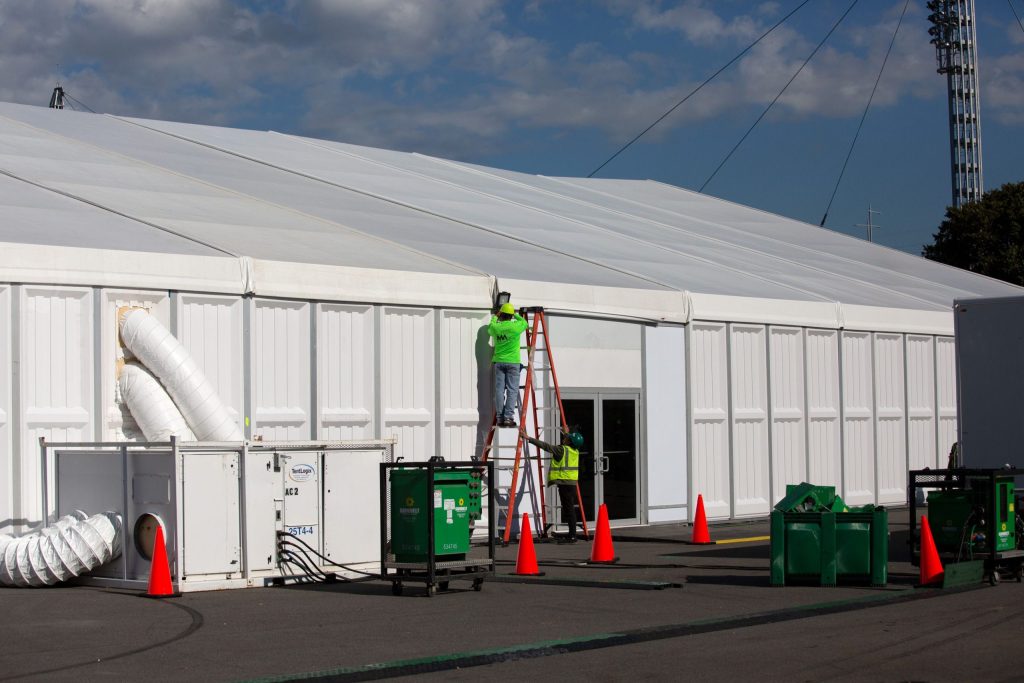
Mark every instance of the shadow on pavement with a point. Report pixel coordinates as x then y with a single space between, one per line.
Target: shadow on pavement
730 580
751 552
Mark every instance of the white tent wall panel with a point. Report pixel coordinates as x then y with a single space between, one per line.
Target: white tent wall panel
890 418
749 420
118 424
595 353
788 408
345 371
945 381
858 418
824 429
921 409
6 448
665 406
464 383
407 380
56 380
281 370
707 362
210 328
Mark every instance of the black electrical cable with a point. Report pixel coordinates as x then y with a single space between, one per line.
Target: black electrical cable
307 566
304 560
695 90
286 537
784 88
863 116
301 575
1016 16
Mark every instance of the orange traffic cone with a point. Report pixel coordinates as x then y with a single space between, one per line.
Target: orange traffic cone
603 552
931 565
526 560
700 525
160 571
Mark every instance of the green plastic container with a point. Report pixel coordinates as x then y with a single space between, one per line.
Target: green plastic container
806 498
826 546
454 501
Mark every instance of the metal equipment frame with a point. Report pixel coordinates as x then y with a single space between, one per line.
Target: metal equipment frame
435 575
961 480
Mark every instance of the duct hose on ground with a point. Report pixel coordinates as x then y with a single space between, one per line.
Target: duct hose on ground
166 358
72 546
151 406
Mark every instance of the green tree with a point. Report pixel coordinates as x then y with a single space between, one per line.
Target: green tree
986 236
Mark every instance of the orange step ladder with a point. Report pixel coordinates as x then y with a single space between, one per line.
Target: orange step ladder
536 339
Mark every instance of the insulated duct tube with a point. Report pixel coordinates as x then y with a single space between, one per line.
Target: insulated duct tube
166 358
153 410
73 546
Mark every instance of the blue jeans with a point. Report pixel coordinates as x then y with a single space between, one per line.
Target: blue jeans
506 390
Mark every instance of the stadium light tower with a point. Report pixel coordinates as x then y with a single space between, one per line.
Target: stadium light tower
955 43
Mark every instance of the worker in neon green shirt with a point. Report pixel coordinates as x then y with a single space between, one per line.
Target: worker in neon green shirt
506 328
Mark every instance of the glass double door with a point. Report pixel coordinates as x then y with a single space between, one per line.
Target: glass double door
609 460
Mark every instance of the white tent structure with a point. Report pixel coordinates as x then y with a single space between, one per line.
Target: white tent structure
332 291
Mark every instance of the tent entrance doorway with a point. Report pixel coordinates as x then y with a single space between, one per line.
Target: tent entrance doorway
609 462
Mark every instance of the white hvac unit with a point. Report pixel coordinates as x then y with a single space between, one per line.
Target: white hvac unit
222 505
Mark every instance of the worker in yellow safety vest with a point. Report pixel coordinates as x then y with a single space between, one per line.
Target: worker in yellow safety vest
564 473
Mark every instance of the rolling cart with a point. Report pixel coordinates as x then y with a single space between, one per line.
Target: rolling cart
428 513
973 515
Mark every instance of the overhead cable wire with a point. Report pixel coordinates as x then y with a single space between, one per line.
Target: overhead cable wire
66 95
784 88
1015 15
863 116
695 90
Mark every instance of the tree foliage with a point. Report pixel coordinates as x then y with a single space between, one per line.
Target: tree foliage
986 236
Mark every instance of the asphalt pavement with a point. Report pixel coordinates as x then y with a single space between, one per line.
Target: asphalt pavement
665 610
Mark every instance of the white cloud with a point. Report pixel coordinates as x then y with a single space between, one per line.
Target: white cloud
692 18
1002 89
452 77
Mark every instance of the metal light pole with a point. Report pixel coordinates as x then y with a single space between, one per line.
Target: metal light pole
955 43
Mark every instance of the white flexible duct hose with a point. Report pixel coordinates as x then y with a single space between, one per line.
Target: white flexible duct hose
166 358
72 546
151 406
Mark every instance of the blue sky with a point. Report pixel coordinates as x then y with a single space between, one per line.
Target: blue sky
556 87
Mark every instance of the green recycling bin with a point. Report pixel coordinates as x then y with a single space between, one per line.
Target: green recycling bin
827 545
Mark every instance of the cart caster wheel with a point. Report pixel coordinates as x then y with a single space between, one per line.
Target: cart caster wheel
993 578
478 585
396 588
1019 574
443 585
431 591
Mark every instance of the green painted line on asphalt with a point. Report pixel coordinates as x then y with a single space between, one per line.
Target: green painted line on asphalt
628 584
462 660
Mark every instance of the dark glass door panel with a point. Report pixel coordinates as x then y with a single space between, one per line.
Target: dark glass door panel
579 415
618 439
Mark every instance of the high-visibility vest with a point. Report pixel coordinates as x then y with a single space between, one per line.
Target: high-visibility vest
565 469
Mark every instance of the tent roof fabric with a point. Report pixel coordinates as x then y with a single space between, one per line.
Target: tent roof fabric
99 199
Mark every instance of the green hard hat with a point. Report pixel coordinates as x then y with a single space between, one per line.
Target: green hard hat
507 308
576 439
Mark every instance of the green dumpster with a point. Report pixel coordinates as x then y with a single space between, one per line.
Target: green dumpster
825 545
